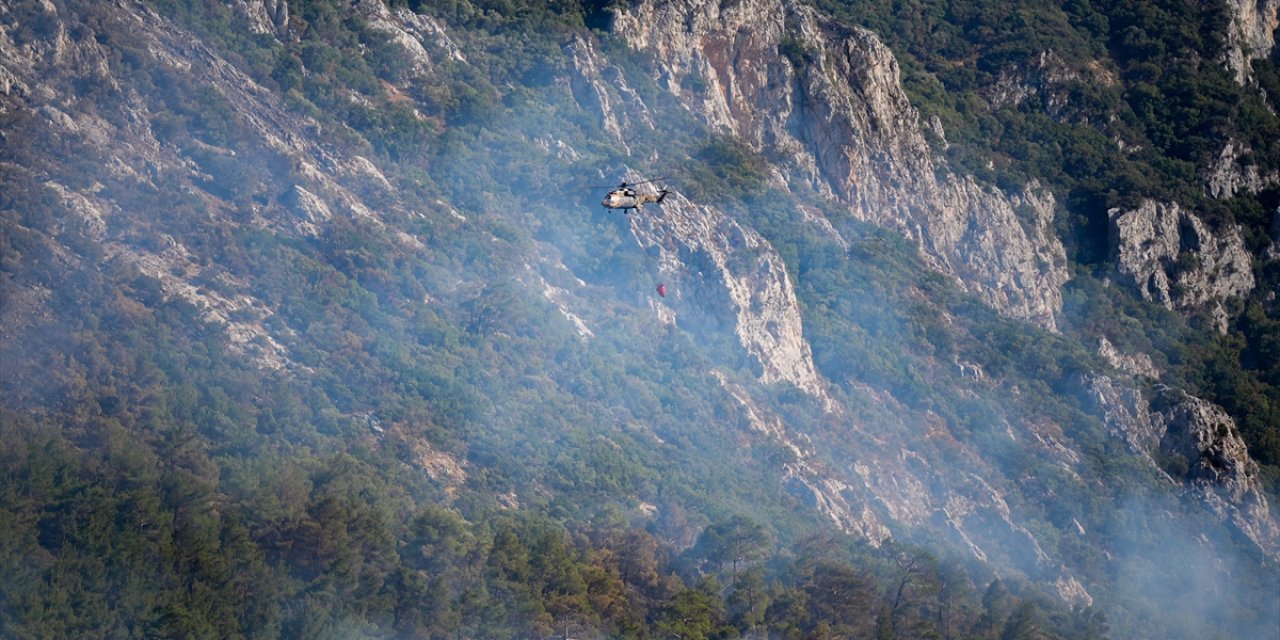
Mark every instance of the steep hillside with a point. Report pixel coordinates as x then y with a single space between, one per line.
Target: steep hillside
313 325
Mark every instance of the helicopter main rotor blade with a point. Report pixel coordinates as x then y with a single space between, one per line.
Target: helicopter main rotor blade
625 183
632 184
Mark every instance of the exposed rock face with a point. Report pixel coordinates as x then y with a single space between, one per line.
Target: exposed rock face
1251 35
701 246
1175 259
1124 411
842 124
1227 177
1273 251
804 475
1137 364
560 297
414 33
621 111
1045 79
1219 465
400 26
242 317
891 490
40 78
265 16
1199 434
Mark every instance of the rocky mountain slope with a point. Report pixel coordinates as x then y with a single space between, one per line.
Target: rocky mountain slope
839 121
853 127
883 344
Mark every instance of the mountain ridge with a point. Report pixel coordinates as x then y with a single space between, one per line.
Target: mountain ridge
435 309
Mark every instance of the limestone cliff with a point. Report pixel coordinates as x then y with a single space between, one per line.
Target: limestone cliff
1173 258
415 34
830 114
1251 35
841 122
1272 251
602 89
733 270
1135 364
1197 444
265 16
1047 78
1227 177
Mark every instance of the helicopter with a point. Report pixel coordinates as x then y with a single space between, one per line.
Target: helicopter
624 198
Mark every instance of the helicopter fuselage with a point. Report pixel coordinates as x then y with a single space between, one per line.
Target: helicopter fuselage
626 199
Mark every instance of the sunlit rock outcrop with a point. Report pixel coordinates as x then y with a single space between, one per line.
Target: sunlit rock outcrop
1197 443
1046 79
1272 251
415 34
1251 35
836 118
1227 177
403 28
560 297
1124 411
1134 364
892 491
1219 466
1173 258
265 16
805 476
600 87
706 249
